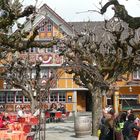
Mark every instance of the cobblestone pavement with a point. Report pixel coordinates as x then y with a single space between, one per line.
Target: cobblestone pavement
63 131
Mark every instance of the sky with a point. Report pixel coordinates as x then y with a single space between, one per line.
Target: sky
74 10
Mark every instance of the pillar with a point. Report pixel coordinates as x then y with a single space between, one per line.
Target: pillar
116 101
138 98
75 102
104 101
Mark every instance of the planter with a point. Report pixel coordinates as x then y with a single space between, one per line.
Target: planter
82 126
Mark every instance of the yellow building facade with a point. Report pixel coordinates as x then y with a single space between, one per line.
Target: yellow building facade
75 98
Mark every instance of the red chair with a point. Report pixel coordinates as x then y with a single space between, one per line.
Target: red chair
13 118
65 115
1 123
48 116
27 128
58 116
21 120
34 120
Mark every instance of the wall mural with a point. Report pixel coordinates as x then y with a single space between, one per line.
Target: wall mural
47 58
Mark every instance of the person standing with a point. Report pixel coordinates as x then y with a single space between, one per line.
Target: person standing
129 127
21 112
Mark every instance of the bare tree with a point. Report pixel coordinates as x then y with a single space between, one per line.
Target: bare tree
19 74
10 13
121 12
97 61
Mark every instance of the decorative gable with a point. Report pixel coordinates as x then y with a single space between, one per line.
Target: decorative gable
55 25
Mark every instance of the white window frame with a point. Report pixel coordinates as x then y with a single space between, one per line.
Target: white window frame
53 94
18 93
49 27
44 73
33 73
10 93
136 74
3 96
62 99
42 27
26 100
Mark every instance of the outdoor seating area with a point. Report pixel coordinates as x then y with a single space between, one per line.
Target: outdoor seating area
24 125
56 113
56 116
13 127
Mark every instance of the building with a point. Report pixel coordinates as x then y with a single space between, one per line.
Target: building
75 98
65 91
126 91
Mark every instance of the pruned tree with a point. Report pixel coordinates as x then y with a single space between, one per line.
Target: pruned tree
19 74
122 13
97 61
10 13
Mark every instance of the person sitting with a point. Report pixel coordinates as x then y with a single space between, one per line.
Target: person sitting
4 120
21 112
61 108
6 117
53 107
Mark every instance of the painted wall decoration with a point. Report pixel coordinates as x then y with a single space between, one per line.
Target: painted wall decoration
46 58
58 59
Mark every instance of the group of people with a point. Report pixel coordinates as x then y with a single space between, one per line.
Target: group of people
60 107
122 126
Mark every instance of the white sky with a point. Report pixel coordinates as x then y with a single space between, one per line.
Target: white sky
67 9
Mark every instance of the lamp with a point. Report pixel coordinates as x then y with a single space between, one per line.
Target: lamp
130 89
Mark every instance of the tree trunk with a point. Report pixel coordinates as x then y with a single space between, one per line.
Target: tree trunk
34 103
96 110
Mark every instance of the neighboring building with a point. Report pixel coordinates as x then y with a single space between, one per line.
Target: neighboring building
127 92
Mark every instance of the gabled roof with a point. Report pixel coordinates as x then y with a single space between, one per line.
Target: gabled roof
96 26
55 14
46 11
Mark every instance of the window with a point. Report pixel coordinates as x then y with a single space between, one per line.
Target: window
49 27
61 97
19 97
50 49
32 49
42 27
10 97
2 97
56 49
33 73
136 74
44 73
53 97
26 99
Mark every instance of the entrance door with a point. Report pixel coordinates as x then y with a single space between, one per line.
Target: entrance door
88 101
81 101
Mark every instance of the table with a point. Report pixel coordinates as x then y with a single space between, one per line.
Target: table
55 116
13 135
26 127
